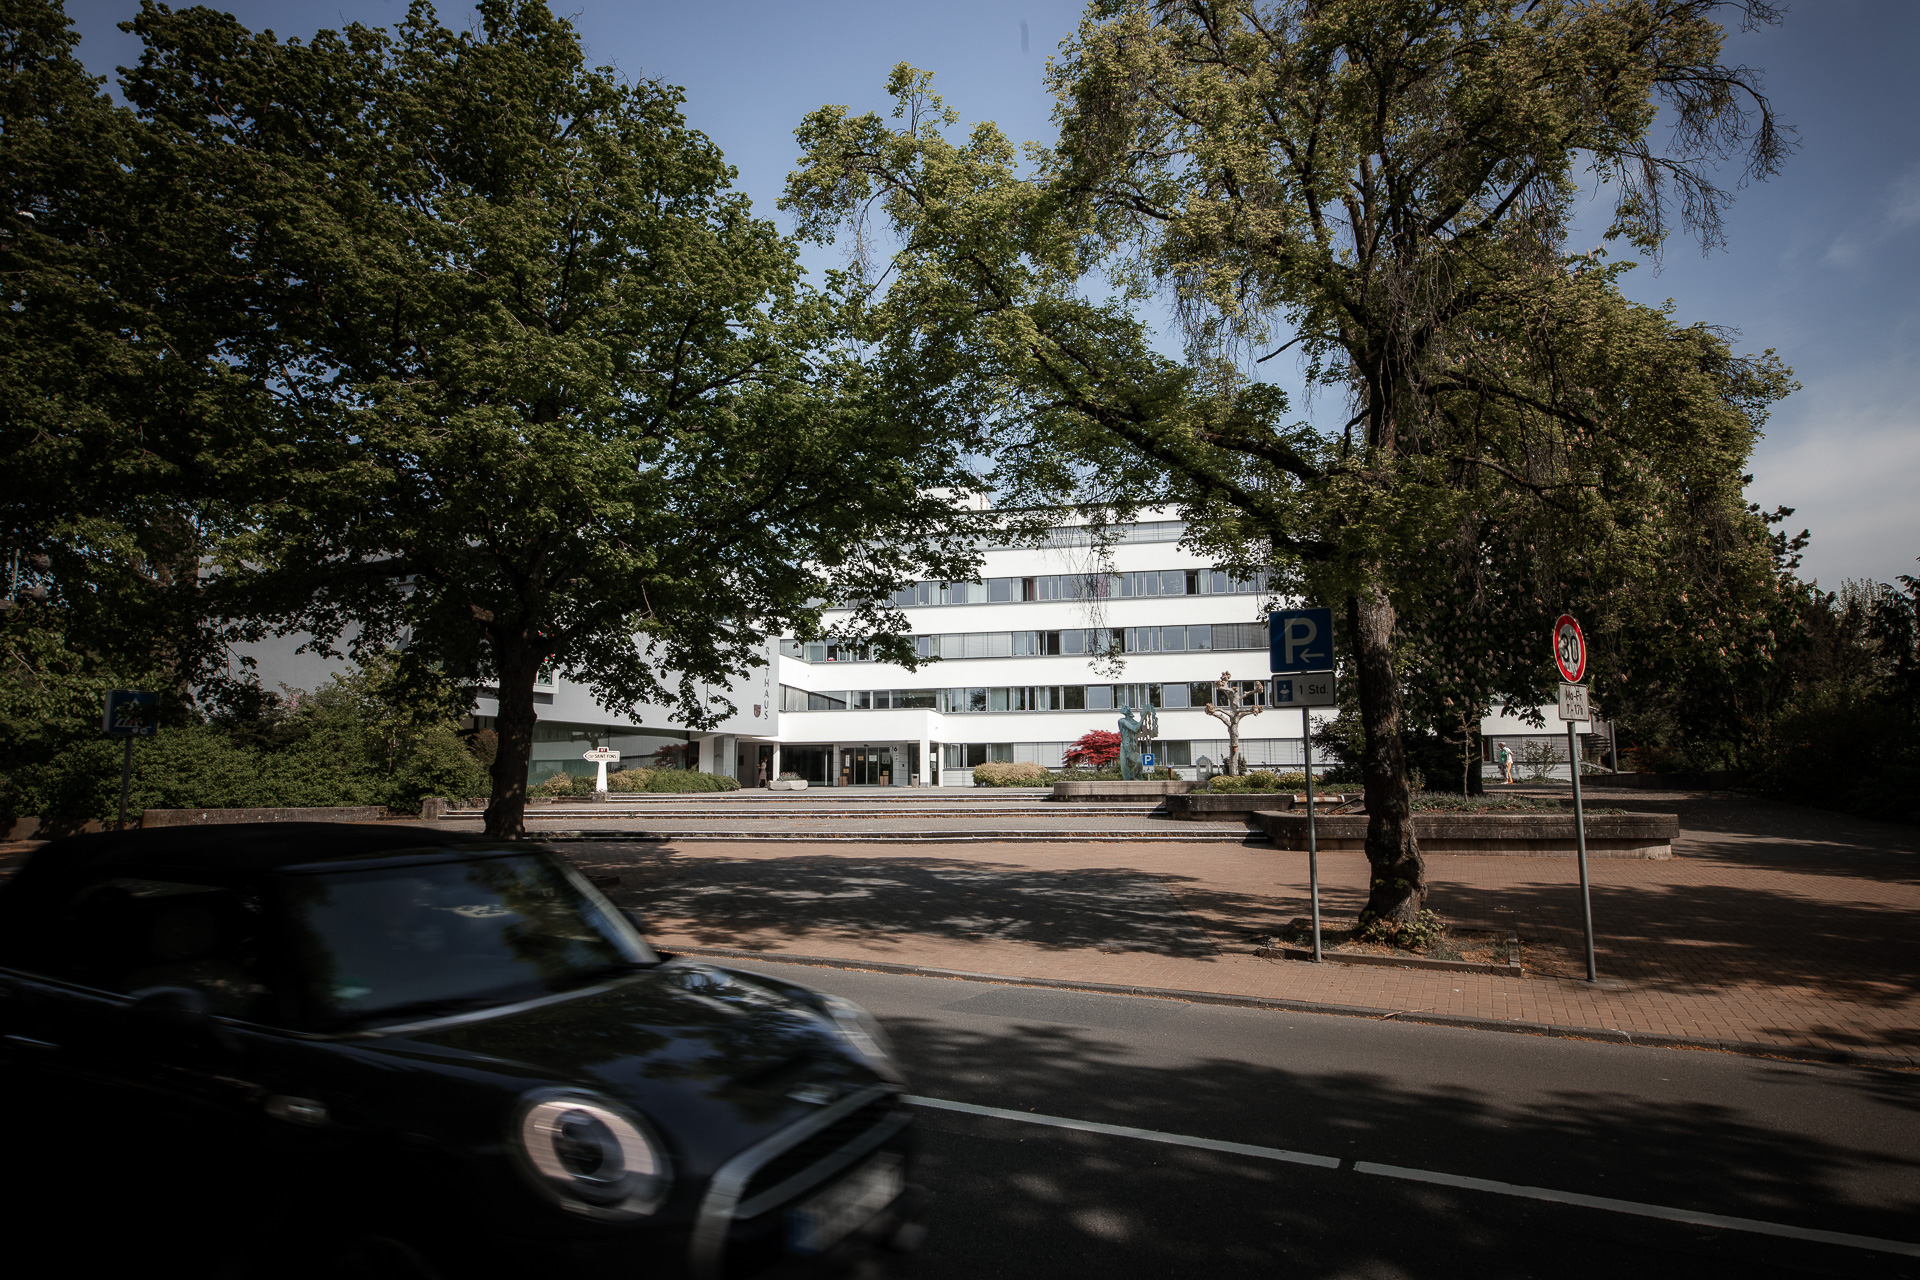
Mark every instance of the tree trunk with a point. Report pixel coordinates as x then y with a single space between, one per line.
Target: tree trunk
1399 875
507 809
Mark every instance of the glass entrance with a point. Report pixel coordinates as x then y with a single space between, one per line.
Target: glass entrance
866 767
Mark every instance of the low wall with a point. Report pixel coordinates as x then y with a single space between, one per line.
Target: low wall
1527 835
1120 790
1230 806
51 828
218 817
1660 781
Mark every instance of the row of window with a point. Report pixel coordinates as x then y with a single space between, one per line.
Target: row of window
1174 753
1082 586
1032 697
1075 535
1085 641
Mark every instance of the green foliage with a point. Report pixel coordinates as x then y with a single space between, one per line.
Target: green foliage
629 779
1386 187
544 390
1006 773
382 734
1258 780
672 780
1087 775
1420 934
561 785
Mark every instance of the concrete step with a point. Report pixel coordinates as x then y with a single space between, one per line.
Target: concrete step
1199 835
607 813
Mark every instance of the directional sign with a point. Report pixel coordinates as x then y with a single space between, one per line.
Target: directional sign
1300 640
1312 690
130 713
1573 702
1569 649
601 755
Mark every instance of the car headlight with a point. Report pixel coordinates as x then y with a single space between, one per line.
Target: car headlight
590 1156
862 1032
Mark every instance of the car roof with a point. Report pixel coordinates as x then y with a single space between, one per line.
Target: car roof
232 851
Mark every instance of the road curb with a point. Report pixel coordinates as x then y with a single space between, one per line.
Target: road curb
1833 1057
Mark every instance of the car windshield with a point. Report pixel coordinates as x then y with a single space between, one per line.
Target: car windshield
440 937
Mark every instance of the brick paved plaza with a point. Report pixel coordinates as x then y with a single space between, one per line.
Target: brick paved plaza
1772 924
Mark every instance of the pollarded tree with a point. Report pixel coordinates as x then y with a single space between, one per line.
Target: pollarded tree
545 391
1389 181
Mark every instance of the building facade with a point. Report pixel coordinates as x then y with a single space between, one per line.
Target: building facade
1046 645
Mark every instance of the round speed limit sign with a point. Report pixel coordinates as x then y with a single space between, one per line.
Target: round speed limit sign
1569 649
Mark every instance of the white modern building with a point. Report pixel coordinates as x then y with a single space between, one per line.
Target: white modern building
1046 645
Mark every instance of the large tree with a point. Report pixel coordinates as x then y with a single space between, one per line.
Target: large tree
1385 185
126 448
544 390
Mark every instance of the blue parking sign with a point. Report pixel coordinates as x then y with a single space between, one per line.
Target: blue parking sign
1300 640
1146 761
130 713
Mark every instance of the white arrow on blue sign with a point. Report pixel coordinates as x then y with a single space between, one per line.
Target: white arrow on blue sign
1300 640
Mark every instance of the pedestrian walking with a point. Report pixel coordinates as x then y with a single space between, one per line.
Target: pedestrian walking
763 773
1506 764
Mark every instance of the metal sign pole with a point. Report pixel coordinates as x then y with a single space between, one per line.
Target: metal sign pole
126 783
1313 849
1580 843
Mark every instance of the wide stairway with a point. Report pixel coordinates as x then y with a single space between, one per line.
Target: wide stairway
931 815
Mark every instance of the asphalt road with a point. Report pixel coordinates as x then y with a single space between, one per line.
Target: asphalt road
1293 1145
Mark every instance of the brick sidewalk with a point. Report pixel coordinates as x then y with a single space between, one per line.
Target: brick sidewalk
1771 925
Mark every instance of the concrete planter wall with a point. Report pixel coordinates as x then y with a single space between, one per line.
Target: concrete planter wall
1110 791
1228 806
1527 835
219 817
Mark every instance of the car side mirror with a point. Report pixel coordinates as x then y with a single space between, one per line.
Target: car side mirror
182 1015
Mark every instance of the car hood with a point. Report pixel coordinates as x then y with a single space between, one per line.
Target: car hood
714 1059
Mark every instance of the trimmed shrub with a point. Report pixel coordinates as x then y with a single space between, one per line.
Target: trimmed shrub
557 787
634 779
1007 773
668 780
1259 781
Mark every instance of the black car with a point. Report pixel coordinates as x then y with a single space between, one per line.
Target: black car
326 1049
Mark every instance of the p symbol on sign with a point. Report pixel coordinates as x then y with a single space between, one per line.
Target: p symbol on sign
1300 640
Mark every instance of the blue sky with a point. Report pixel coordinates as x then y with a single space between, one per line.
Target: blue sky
1822 262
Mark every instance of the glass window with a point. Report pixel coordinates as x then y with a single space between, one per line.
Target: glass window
1178 754
816 651
1073 641
976 699
1048 642
997 700
1000 590
1174 696
1199 637
861 700
1074 697
1173 639
976 753
1219 577
1029 588
1200 693
834 701
441 937
125 933
1173 582
999 644
920 699
792 699
953 645
1099 697
1192 585
1000 751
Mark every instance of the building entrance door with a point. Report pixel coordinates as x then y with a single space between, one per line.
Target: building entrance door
866 767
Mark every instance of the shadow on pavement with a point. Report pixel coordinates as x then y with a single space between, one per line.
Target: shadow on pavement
1019 1200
